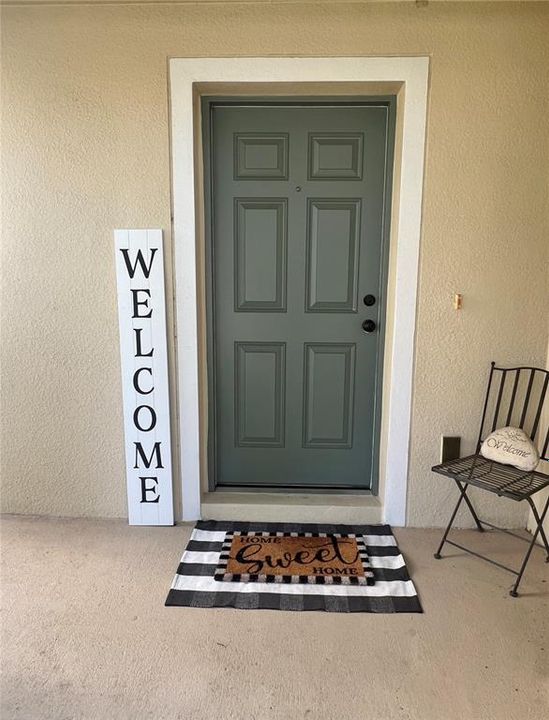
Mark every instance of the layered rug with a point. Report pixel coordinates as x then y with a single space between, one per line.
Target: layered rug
286 566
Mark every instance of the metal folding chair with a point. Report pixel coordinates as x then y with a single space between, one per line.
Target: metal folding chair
515 397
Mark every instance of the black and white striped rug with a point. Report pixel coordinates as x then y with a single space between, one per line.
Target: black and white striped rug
194 584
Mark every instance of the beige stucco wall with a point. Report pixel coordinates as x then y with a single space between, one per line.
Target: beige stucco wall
86 149
541 498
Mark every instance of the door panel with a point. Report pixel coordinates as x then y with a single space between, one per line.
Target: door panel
260 156
333 237
261 238
335 156
297 217
329 388
259 392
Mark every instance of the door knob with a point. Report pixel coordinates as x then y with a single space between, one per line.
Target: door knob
369 300
369 326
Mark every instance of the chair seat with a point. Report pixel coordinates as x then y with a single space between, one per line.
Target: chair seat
503 480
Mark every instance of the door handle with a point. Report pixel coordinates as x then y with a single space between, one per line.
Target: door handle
369 326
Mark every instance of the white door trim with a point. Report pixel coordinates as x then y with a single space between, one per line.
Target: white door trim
413 72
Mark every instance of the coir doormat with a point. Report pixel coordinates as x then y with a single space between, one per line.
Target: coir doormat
195 583
294 557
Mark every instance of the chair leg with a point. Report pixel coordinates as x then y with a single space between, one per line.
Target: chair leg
538 530
470 506
462 496
540 525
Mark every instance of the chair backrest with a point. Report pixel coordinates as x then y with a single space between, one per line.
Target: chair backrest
518 397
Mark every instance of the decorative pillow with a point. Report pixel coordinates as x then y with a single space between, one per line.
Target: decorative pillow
511 446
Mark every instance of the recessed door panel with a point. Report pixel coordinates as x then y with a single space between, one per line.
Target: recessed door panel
333 236
298 225
335 156
260 395
260 254
329 388
260 156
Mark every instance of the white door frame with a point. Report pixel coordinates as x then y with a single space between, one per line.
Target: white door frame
413 74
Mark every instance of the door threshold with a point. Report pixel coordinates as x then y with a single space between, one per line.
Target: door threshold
316 507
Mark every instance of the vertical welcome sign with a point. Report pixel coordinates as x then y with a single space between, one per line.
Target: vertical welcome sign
143 352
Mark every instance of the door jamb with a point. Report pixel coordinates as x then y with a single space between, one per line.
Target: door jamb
409 75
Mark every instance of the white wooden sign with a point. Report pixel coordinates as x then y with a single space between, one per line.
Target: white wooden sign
143 352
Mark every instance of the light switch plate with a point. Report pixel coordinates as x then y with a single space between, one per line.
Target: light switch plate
450 448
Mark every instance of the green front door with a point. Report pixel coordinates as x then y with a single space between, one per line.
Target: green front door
298 254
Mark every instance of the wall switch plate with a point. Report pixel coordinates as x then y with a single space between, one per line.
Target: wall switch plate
450 448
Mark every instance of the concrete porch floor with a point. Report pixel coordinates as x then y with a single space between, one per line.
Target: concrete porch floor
86 635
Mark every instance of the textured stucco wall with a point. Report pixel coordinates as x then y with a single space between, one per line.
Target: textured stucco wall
86 149
541 498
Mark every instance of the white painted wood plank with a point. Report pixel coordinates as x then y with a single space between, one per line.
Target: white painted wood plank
144 364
